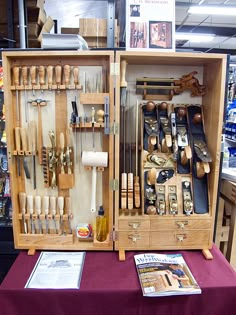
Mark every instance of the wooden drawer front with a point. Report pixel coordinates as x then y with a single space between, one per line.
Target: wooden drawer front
228 189
179 224
132 240
186 238
134 225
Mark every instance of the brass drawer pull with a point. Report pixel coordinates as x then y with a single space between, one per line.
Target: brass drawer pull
181 224
181 237
134 237
134 225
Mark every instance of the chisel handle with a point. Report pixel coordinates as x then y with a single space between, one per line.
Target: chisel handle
66 74
37 200
24 139
60 202
17 139
45 205
30 204
75 72
33 75
41 75
124 191
52 204
123 65
50 76
68 205
130 191
24 73
136 192
16 75
22 199
58 70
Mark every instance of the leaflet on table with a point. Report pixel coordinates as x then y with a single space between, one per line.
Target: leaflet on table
163 275
57 270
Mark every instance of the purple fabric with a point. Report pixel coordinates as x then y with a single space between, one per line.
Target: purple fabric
109 286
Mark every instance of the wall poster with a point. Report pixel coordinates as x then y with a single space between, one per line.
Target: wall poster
150 24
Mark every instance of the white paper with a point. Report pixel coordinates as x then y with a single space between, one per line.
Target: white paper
57 270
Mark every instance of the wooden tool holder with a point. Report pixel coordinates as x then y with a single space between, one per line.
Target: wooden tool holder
119 130
49 206
161 222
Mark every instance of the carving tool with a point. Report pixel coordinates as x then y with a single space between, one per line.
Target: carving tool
33 78
32 146
123 90
68 211
30 209
60 202
62 155
41 77
18 146
50 76
39 103
66 74
130 174
37 200
75 72
136 177
94 159
22 198
58 74
24 72
45 208
53 210
16 82
68 151
93 122
25 148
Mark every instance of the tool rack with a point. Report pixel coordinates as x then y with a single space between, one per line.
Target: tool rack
130 226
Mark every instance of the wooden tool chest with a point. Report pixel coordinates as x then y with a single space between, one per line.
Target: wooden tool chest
109 118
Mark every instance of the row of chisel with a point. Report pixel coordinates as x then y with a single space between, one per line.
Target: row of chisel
43 211
46 77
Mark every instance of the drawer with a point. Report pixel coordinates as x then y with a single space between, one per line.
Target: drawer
134 225
164 223
133 240
228 189
200 238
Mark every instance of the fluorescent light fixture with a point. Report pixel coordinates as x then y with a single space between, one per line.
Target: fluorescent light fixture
194 37
212 10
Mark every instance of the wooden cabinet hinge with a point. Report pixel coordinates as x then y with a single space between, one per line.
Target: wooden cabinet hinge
114 68
114 184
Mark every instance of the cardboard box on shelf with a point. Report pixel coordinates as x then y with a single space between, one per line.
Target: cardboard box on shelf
48 25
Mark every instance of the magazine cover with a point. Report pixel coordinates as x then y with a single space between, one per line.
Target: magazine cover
163 275
150 25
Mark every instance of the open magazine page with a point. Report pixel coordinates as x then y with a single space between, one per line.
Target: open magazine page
162 275
57 270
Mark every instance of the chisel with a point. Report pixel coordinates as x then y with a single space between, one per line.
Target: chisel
18 147
30 209
22 198
37 200
32 146
66 74
33 78
60 202
41 77
16 82
75 72
58 75
45 208
123 89
24 73
68 211
53 210
50 76
25 148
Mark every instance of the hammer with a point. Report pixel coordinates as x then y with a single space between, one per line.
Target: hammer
94 159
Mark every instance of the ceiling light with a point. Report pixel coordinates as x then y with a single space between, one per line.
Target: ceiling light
194 37
212 10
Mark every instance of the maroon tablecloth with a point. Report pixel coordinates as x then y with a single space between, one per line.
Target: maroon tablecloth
109 286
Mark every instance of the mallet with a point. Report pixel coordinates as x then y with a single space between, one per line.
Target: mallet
94 159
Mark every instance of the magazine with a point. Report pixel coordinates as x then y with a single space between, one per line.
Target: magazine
163 275
57 270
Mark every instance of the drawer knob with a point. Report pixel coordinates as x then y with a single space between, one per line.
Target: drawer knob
181 237
134 225
134 238
181 224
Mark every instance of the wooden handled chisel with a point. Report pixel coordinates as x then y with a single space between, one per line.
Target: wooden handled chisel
22 198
